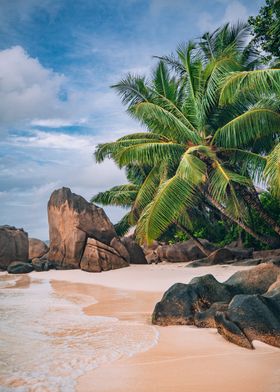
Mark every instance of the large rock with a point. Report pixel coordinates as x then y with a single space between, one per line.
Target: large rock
220 256
244 308
251 317
135 251
227 255
181 302
183 251
99 257
271 254
240 253
13 245
37 248
19 267
254 281
71 221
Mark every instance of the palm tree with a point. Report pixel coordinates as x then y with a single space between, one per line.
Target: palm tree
204 136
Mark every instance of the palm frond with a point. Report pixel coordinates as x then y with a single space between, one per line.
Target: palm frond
174 196
110 150
192 169
149 153
132 89
221 187
259 81
246 128
272 171
168 123
147 190
246 162
123 225
121 195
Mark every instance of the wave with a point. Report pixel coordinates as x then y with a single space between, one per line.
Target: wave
47 342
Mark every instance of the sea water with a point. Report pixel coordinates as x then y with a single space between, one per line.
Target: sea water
47 342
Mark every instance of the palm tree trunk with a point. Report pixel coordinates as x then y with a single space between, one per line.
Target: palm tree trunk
264 239
195 240
252 198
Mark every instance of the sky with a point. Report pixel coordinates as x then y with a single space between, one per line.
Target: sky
58 59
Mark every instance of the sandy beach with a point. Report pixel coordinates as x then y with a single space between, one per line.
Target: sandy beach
183 357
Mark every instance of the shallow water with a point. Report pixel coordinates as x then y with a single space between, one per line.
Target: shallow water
47 342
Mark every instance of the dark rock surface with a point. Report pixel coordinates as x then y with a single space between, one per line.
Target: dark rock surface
71 221
41 264
181 302
183 251
19 267
220 256
244 308
120 248
99 257
257 316
227 255
37 248
136 253
240 253
206 318
13 245
255 280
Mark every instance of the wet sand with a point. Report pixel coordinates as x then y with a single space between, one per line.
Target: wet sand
185 358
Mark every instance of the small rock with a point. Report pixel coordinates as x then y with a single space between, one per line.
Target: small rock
19 267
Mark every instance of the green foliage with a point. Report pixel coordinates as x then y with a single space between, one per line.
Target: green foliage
208 114
266 29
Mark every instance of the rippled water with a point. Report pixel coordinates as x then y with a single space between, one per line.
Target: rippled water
47 342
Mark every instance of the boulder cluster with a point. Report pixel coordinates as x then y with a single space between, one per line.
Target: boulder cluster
80 236
244 308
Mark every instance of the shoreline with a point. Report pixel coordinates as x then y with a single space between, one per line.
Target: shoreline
183 357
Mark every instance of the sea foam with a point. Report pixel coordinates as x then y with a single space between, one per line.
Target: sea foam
47 342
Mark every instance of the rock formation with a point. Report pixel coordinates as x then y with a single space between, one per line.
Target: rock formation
227 255
19 267
37 248
99 257
135 251
183 251
13 245
244 308
71 221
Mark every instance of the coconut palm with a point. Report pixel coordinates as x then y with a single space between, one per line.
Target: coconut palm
202 143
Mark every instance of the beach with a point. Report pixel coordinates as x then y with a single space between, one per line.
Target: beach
99 326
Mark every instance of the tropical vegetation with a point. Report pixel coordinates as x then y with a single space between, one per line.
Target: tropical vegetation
266 28
211 117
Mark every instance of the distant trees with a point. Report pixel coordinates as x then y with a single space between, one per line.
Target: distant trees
266 29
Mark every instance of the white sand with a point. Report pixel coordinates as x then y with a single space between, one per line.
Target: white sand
186 359
140 277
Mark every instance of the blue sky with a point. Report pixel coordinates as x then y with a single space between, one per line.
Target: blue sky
57 61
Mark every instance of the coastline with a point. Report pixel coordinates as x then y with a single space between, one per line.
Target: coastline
183 357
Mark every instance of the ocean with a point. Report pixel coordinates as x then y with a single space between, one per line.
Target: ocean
47 342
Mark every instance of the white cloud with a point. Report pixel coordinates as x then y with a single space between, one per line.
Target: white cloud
42 139
41 162
235 11
57 122
27 89
30 96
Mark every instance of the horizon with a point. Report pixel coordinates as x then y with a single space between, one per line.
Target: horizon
57 62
